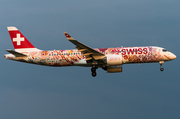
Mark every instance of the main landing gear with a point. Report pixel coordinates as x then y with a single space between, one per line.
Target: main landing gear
93 70
161 62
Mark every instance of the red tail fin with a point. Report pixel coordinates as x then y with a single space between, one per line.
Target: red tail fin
20 42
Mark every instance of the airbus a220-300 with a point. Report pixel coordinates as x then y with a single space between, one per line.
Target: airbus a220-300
109 59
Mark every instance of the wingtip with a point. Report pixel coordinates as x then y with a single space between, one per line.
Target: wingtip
67 35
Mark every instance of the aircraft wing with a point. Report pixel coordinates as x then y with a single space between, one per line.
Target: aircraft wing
17 54
87 51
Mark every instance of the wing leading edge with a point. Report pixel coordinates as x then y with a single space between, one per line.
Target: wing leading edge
87 51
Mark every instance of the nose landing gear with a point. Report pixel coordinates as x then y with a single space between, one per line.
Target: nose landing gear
162 69
161 62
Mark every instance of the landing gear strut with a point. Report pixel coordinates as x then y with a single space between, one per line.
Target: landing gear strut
162 69
161 62
93 70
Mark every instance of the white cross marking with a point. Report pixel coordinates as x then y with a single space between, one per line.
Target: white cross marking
18 39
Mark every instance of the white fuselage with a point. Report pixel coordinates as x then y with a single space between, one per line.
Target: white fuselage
59 58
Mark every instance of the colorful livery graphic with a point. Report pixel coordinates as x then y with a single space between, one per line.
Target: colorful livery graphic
109 59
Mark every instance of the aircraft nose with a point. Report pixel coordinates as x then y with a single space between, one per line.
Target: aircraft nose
173 56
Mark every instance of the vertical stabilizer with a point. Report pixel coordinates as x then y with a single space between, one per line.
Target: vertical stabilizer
20 42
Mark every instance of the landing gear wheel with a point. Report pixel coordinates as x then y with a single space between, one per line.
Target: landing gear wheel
162 69
94 74
93 69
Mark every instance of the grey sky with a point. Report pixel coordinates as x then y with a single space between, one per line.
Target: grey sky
140 91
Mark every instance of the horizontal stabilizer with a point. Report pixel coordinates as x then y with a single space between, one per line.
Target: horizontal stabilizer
17 54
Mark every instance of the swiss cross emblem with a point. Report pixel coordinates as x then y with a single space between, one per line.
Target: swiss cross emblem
18 39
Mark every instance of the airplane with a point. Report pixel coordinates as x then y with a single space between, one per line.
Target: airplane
109 59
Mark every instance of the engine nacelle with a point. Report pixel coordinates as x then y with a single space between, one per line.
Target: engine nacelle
112 60
114 69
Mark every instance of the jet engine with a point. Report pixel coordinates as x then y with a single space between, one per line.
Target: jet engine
113 63
113 69
112 60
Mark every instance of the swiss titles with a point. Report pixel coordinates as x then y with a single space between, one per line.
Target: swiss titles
128 51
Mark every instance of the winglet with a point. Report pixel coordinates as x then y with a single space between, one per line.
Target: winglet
68 36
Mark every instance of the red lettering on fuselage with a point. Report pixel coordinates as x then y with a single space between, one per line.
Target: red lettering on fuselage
127 51
134 51
139 50
145 50
131 50
123 51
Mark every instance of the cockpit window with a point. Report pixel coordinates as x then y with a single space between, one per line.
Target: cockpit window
164 50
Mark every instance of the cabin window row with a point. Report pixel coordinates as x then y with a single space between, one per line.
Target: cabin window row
65 54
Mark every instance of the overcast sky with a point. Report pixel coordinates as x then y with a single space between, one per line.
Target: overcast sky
140 92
